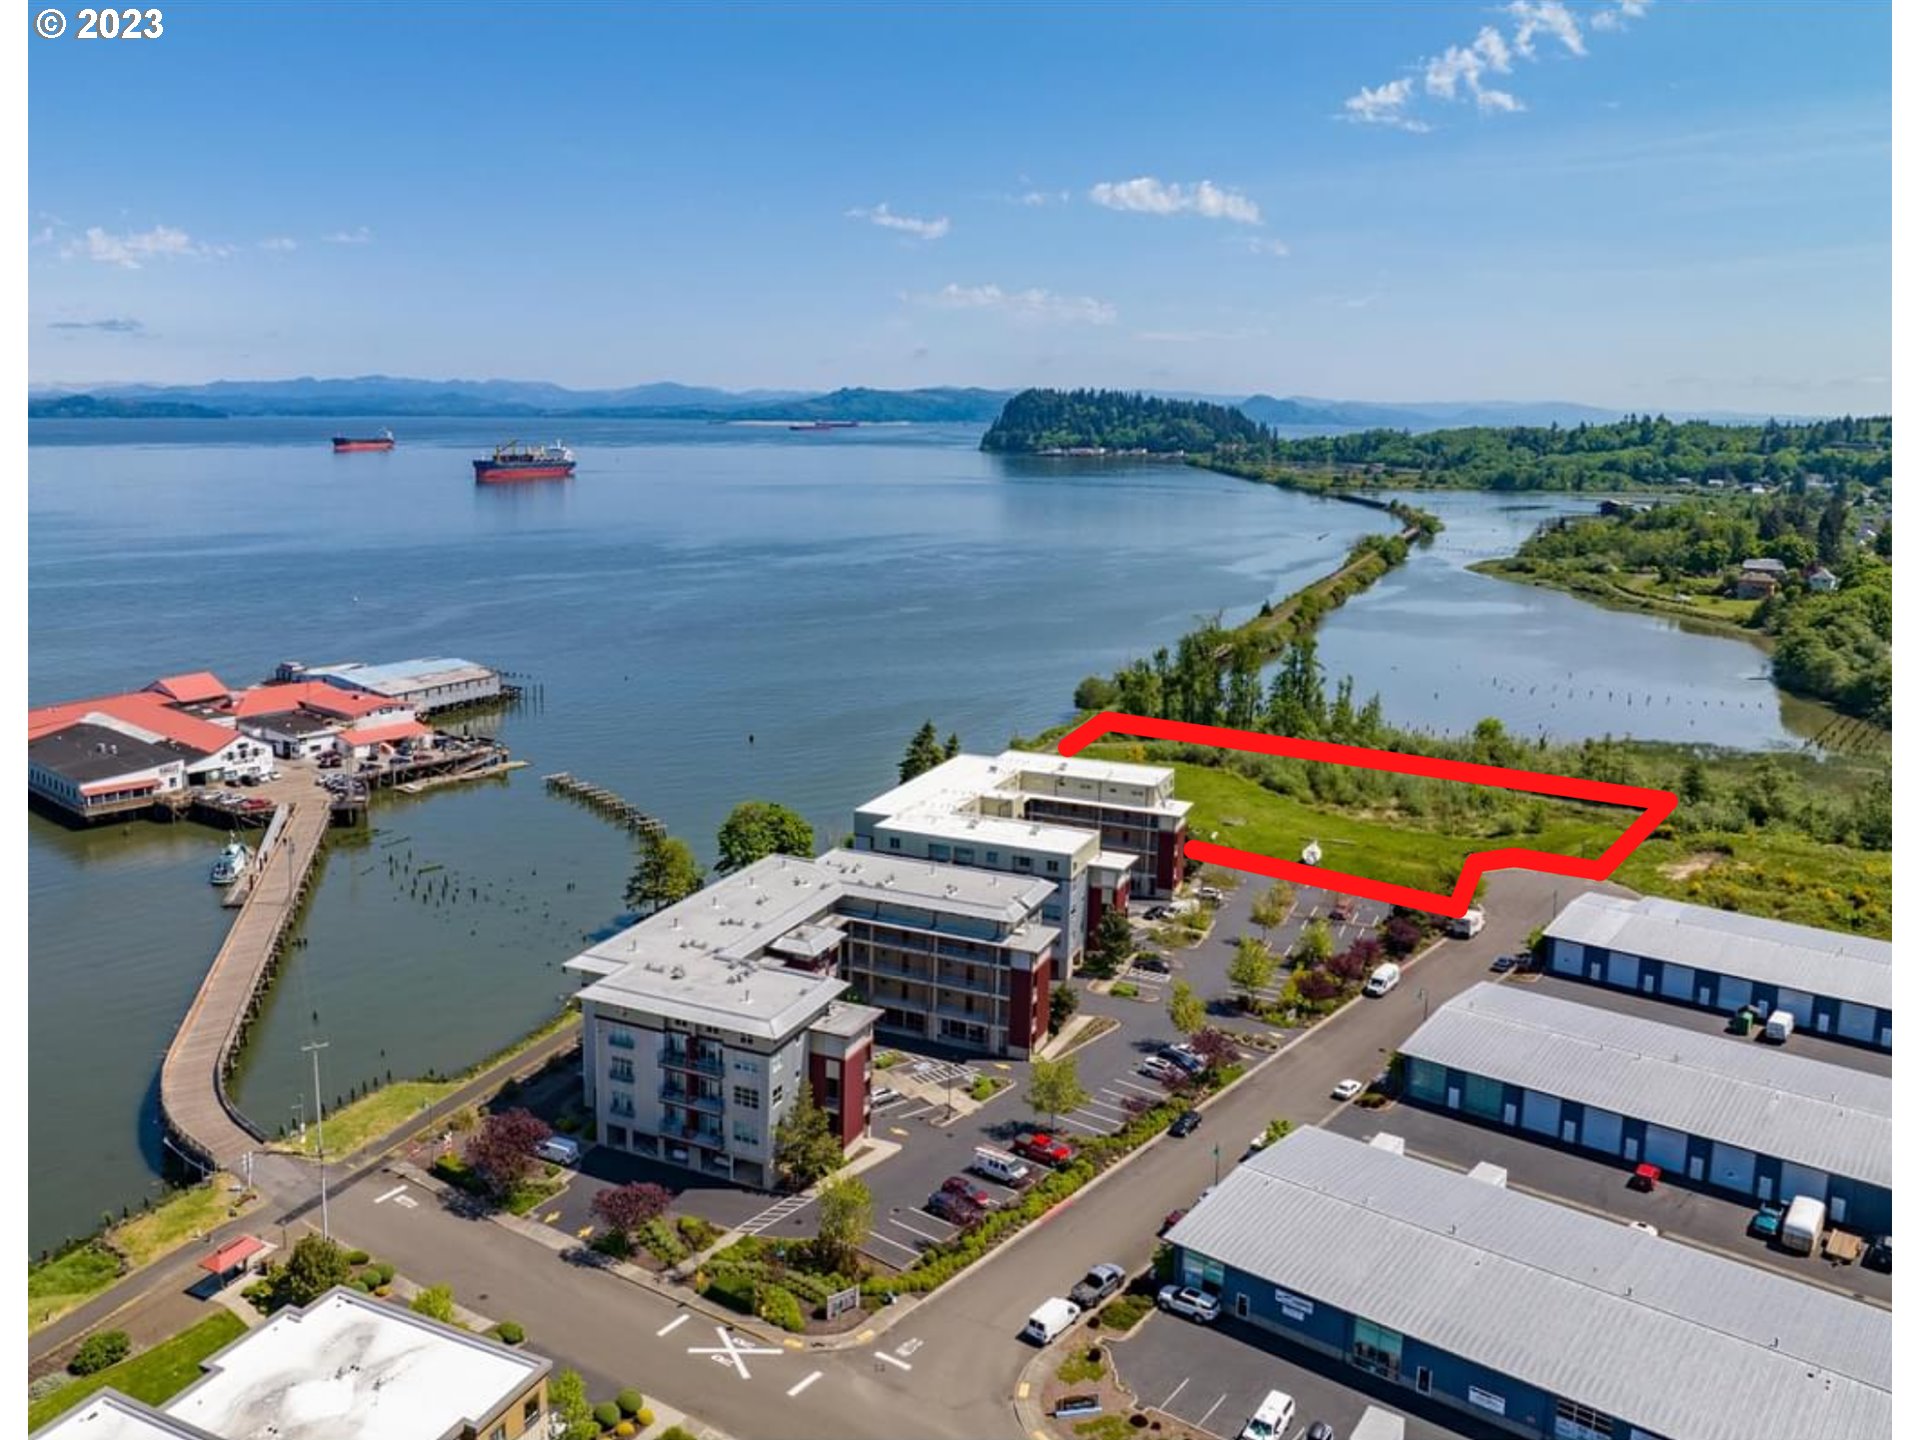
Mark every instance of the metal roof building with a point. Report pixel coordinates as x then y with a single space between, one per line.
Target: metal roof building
1717 1111
1832 983
1550 1320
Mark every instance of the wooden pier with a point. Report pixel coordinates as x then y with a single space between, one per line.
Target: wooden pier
603 801
201 1119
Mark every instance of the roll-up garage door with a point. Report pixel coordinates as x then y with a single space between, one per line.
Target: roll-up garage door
1666 1148
1802 1180
1676 981
1856 1021
1797 1003
1601 1131
1540 1112
1735 993
1732 1168
1623 970
1566 957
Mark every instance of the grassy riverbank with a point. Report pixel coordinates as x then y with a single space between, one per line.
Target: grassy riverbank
65 1282
359 1123
155 1375
1696 604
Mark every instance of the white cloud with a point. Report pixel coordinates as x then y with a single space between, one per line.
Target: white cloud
1030 304
1385 105
1197 337
279 242
359 235
1459 73
1148 196
1260 245
130 251
104 327
925 229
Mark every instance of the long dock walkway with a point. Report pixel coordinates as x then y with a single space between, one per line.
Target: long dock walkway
199 1116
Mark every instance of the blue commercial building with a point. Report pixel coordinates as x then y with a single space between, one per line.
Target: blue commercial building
1527 1315
1734 1116
1832 984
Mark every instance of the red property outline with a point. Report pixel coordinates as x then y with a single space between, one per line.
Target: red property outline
1655 806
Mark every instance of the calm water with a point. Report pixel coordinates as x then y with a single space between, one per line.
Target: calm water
694 585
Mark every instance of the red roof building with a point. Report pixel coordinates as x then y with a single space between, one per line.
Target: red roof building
192 689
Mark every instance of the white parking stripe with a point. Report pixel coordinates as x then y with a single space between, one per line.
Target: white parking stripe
896 1360
674 1324
803 1384
1132 1085
1167 1403
1081 1125
875 1236
916 1230
1201 1423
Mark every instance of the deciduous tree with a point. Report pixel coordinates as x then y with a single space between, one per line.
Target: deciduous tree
845 1216
758 828
1186 1009
1272 908
1053 1087
1251 969
315 1265
501 1151
626 1208
804 1145
665 873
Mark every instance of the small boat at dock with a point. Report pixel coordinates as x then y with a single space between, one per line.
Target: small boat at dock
351 444
231 863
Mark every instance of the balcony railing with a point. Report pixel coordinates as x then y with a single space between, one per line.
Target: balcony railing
673 1094
699 1134
622 1071
674 1058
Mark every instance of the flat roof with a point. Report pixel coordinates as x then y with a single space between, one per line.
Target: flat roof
109 1415
959 784
1757 1097
351 1367
88 751
1671 1338
963 826
1821 962
402 675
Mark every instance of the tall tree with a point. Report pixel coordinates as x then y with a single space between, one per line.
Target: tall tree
568 1409
952 747
1270 911
845 1211
502 1149
665 874
1112 944
1186 1009
1315 945
625 1208
1833 527
756 829
315 1265
804 1145
1251 969
923 753
1062 1001
1053 1087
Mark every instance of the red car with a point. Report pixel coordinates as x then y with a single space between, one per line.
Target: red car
1046 1149
1174 1217
964 1189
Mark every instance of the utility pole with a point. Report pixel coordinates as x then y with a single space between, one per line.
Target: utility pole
320 1132
1423 1005
1216 1164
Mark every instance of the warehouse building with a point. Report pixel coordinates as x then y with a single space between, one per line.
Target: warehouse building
436 683
1527 1315
1831 983
1734 1117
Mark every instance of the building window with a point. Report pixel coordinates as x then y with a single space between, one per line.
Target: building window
620 1068
748 1098
617 1135
620 1039
893 842
1022 862
1579 1422
779 1094
620 1104
993 857
499 1433
530 1412
744 1134
1053 867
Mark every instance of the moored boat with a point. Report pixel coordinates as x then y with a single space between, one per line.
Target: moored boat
351 444
231 863
514 461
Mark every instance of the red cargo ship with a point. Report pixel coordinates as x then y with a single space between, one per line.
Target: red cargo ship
514 461
348 444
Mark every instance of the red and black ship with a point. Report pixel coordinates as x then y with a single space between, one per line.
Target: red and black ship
351 444
514 461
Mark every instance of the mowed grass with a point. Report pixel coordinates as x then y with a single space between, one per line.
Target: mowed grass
58 1286
155 1375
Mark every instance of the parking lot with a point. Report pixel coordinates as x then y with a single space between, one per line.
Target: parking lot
1600 1185
1707 1022
1213 1377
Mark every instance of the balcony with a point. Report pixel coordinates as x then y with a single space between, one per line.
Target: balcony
707 1135
621 1071
674 1094
673 1057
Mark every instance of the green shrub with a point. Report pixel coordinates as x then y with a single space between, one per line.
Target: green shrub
777 1304
510 1333
698 1231
625 1429
358 1257
1124 990
382 1273
630 1400
616 1243
660 1240
97 1351
1126 1311
677 1432
606 1414
1082 1365
732 1288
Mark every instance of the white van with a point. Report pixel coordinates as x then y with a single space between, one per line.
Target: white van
559 1149
1383 979
999 1166
1465 927
1050 1321
1779 1026
1806 1219
1272 1420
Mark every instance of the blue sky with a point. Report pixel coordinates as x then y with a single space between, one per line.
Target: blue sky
1641 203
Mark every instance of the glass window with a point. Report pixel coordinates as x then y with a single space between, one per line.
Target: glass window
530 1412
746 1097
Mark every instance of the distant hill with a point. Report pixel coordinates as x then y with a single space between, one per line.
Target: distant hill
1302 411
1039 421
96 407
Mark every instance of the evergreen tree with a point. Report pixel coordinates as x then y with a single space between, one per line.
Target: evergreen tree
664 874
923 753
804 1145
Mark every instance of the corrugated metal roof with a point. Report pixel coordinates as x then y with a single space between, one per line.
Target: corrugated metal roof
1822 962
1757 1097
1676 1340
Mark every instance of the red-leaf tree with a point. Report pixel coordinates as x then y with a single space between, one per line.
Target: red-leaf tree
1357 960
1316 986
501 1150
1215 1047
627 1207
1400 935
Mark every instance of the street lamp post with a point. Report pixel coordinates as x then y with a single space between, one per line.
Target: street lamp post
1423 1005
1216 1164
320 1132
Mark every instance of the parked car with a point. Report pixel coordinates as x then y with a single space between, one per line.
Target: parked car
1272 1420
1185 1058
1152 964
1765 1223
1184 1124
560 1149
885 1095
1044 1149
1213 894
954 1209
1098 1283
1320 1430
1196 1305
1161 1069
967 1191
1045 1325
1643 1227
1879 1255
1159 912
1502 964
1174 1217
1347 1089
1342 911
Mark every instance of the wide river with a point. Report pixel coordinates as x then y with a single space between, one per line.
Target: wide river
693 586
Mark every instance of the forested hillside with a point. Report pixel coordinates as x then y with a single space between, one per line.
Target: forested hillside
1035 421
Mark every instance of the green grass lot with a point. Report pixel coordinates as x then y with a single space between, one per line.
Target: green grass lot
1632 591
1784 876
76 1277
155 1375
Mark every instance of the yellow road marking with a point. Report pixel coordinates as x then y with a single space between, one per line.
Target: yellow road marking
1024 1388
896 1130
863 1337
551 1216
793 1344
584 1231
